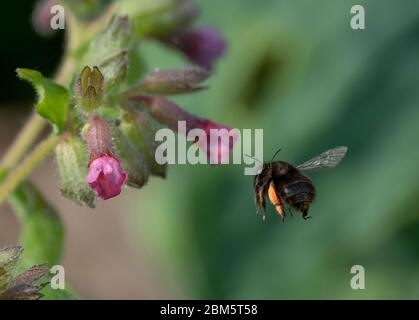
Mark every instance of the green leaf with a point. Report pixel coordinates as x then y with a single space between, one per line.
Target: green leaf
42 231
52 98
58 294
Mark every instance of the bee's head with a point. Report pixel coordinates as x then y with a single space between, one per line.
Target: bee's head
272 163
280 168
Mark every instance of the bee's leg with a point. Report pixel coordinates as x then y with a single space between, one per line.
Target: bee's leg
260 191
305 214
276 201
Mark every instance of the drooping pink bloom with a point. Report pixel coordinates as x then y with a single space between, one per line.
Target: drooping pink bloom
106 177
203 46
220 141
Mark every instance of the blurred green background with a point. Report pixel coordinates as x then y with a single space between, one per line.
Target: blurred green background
296 69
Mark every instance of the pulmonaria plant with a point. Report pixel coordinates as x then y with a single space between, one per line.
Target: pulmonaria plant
19 286
106 113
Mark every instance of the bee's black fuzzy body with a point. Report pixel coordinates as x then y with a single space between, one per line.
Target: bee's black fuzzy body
284 183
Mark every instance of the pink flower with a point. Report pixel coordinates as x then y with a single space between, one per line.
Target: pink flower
220 141
106 177
218 147
203 46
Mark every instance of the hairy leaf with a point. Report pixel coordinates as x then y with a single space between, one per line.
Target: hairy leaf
52 98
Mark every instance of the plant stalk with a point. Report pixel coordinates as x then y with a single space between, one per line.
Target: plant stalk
27 166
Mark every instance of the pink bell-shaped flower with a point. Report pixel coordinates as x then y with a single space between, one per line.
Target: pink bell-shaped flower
220 142
106 177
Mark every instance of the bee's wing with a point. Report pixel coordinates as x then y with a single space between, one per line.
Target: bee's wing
327 159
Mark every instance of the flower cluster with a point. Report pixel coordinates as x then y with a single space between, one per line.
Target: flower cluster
109 140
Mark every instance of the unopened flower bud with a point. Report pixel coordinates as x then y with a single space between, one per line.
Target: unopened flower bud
169 82
202 46
218 149
41 17
71 158
115 70
109 51
89 89
168 113
118 33
132 160
220 141
159 17
140 129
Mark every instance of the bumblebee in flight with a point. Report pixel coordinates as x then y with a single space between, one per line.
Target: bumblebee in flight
284 183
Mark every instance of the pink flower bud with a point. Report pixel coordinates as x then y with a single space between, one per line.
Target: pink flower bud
41 17
202 46
220 141
106 177
218 149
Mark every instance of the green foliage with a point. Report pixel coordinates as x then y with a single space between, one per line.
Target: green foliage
42 231
52 98
58 294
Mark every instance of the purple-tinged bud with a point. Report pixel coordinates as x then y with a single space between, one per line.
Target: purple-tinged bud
89 89
170 82
169 114
41 17
220 141
202 46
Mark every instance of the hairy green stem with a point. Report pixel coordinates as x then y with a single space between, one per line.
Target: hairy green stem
23 142
27 166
